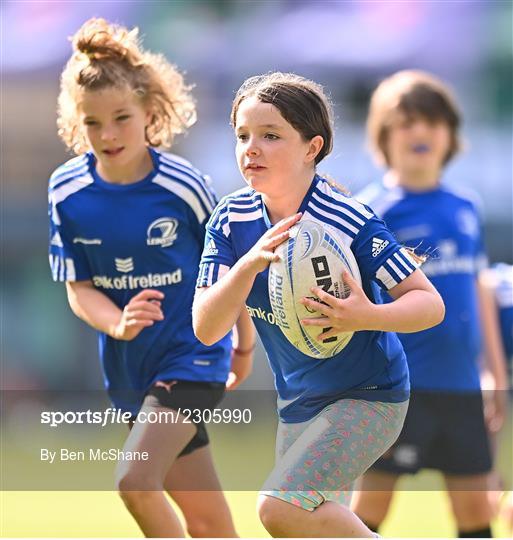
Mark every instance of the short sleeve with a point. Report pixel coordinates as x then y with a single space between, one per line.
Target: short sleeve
468 217
482 261
68 261
380 257
217 257
208 200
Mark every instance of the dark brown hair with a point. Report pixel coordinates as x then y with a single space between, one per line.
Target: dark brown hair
300 101
412 93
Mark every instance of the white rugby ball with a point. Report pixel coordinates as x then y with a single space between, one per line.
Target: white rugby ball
314 255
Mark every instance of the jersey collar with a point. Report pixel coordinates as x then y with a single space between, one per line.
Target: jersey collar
302 207
124 187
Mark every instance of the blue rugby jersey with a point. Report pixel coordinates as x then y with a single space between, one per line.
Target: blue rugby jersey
504 297
130 237
373 365
446 227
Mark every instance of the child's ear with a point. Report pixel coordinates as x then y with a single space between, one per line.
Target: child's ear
315 146
149 116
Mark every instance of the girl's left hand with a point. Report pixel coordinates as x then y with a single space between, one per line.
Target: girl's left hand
242 365
356 312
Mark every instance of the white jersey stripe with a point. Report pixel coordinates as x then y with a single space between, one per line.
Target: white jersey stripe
55 180
402 264
172 158
357 206
193 174
339 208
242 201
53 260
185 193
245 216
206 271
334 217
210 275
395 268
238 198
184 166
201 273
62 269
56 266
63 192
408 259
238 217
227 213
72 164
190 181
385 278
235 206
70 270
192 185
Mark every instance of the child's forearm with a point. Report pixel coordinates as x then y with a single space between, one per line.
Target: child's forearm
217 308
244 337
93 307
414 311
495 356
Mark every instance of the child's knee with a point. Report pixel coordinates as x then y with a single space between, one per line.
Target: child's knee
270 514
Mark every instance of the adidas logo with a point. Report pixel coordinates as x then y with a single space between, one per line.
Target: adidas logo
378 246
211 248
124 265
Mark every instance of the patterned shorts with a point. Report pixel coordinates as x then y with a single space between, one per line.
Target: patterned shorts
320 459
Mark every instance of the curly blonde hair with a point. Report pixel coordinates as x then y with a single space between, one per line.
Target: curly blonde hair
106 55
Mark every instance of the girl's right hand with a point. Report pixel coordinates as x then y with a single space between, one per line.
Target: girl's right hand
262 253
142 311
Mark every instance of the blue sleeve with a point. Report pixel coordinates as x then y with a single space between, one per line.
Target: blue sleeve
380 258
468 216
218 256
211 199
481 255
68 261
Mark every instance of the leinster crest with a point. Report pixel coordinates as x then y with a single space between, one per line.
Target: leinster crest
162 232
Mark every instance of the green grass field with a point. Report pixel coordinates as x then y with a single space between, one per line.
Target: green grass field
102 514
244 453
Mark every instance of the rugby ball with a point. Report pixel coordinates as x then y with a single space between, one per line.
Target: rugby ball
315 254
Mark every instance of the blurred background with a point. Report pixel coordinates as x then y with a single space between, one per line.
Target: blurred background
348 46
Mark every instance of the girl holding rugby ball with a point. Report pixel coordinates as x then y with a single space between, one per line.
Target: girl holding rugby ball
338 415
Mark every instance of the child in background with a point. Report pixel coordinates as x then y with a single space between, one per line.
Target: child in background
413 128
497 285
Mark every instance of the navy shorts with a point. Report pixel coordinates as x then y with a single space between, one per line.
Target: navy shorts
188 396
445 431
